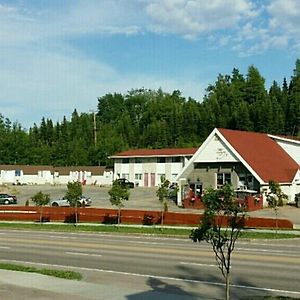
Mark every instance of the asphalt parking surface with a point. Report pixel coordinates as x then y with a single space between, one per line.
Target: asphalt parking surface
140 197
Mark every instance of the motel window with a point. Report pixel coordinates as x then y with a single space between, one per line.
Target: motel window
161 160
176 159
125 175
223 178
161 177
138 160
17 172
138 176
125 160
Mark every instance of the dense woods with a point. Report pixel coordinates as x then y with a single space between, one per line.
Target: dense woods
144 118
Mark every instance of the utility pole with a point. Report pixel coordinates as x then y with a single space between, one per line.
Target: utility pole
95 128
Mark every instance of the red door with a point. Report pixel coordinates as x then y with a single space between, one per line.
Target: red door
152 179
145 179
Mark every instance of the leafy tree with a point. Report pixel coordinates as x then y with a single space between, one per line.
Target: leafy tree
73 195
40 199
163 196
275 198
118 194
221 227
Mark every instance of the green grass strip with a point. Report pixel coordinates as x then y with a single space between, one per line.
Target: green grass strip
152 230
49 272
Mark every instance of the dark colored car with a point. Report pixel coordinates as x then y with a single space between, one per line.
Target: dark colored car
125 183
7 199
297 200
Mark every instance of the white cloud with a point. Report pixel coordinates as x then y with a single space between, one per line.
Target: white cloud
193 18
285 18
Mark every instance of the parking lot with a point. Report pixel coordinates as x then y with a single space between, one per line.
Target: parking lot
140 198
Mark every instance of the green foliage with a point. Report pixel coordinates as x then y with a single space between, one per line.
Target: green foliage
40 199
221 227
163 196
275 197
117 195
49 272
73 193
144 118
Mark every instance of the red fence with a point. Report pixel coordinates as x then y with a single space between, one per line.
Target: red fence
109 216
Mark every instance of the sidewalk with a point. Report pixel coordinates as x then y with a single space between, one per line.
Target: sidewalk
16 285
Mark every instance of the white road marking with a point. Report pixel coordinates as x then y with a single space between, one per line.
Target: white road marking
83 254
4 247
158 277
196 264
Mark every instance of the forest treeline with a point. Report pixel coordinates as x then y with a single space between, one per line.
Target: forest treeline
144 118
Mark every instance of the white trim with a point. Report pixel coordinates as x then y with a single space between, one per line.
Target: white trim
286 139
152 155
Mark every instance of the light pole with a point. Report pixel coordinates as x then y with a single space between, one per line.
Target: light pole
95 127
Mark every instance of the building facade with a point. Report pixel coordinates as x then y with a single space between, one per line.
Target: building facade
246 160
146 167
24 174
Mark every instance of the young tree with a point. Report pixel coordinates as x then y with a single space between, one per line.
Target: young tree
118 194
73 195
221 227
40 199
275 198
163 195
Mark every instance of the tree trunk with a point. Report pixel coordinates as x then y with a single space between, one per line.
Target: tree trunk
76 214
119 216
227 282
41 214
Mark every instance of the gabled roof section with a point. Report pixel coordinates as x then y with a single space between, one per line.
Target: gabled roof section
268 160
156 152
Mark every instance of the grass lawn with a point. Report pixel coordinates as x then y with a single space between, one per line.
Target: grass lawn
153 230
49 272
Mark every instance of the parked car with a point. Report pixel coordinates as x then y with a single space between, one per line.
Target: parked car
125 183
7 199
172 190
297 200
63 202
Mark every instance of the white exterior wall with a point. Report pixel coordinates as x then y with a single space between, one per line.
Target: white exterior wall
7 176
216 151
293 149
147 167
46 177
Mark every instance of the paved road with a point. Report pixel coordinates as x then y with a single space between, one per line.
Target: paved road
136 267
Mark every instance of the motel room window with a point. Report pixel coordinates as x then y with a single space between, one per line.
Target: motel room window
138 176
161 177
176 159
17 172
223 178
138 160
161 160
125 160
125 175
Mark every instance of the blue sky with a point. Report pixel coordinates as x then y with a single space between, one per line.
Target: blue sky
58 55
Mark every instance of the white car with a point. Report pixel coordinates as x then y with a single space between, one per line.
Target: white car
83 201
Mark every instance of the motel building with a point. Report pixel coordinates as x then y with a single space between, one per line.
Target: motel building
146 167
246 160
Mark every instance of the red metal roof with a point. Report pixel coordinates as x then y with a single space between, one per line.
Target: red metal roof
156 152
263 155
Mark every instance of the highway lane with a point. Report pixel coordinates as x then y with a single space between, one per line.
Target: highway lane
259 267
